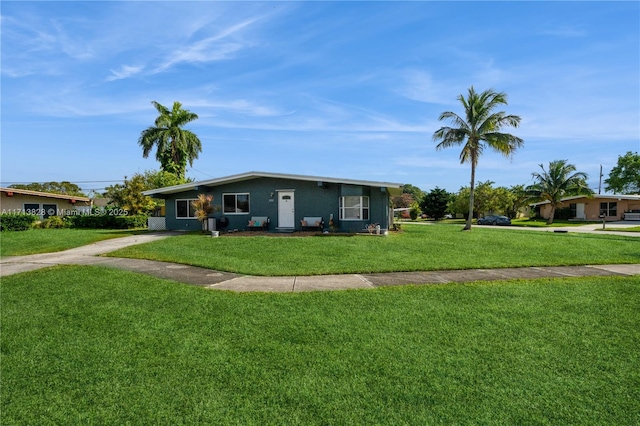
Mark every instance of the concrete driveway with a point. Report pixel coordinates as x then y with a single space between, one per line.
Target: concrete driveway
84 255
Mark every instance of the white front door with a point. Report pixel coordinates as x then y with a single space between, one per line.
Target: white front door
286 211
580 211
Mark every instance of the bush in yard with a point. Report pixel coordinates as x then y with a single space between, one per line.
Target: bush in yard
414 211
17 222
135 221
109 221
54 222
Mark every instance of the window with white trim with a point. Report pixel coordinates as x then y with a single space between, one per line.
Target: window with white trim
609 209
235 203
354 208
184 209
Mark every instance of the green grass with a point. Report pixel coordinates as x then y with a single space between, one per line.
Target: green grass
629 229
523 222
87 345
542 223
34 241
419 247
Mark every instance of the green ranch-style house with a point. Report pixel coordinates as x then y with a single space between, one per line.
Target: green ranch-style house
278 202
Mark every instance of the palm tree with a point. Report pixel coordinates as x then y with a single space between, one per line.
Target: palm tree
560 181
203 207
479 129
175 146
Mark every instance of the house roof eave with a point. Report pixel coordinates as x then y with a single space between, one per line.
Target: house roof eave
593 197
392 188
44 194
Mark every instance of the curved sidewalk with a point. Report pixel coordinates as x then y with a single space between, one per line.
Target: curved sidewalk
88 255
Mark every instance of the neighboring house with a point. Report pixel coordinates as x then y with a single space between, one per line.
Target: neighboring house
286 200
613 207
43 204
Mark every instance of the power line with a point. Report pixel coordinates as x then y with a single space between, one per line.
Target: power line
194 169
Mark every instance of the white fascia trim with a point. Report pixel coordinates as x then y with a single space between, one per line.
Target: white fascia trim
253 175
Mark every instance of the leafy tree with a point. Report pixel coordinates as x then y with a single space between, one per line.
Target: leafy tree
482 201
417 193
511 201
478 130
410 194
155 179
489 200
560 181
64 187
435 203
485 200
459 203
403 201
624 178
174 145
128 195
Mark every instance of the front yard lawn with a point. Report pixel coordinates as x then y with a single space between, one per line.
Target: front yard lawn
629 229
542 223
418 247
90 345
20 243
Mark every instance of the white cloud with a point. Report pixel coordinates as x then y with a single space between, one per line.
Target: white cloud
208 49
238 106
420 86
125 71
564 31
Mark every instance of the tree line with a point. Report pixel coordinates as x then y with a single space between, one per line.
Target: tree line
480 128
477 129
558 180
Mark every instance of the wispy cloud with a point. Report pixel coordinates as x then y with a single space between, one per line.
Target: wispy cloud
564 31
237 106
420 86
125 71
209 49
362 84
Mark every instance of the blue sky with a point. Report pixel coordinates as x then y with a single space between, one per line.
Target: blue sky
339 89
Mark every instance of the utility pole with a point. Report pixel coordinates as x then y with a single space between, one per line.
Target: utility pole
600 183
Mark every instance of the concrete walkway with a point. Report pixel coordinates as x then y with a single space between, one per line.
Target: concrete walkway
88 255
590 228
610 228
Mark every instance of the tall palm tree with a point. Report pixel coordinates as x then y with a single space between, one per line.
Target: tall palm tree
479 129
175 145
560 181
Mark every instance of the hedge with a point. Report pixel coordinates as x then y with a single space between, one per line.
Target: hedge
17 222
108 221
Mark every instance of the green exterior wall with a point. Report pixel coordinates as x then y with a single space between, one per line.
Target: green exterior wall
310 199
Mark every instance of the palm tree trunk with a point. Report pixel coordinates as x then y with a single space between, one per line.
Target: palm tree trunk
467 227
552 214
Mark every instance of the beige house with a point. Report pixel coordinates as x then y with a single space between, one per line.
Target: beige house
43 204
613 207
